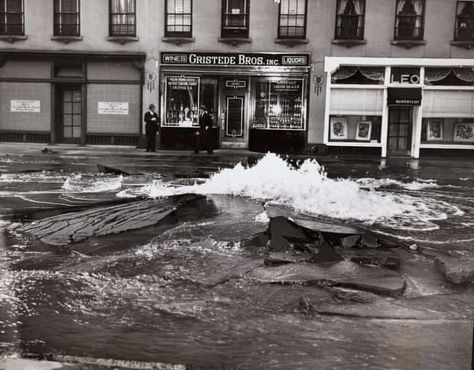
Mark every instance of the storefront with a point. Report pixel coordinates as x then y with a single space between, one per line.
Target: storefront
258 101
63 97
399 107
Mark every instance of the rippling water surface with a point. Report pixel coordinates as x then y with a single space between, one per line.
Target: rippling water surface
177 292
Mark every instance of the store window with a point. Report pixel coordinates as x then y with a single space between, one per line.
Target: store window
445 131
122 18
355 128
449 76
464 29
409 20
67 18
278 104
178 18
184 95
235 18
11 17
350 19
359 75
292 19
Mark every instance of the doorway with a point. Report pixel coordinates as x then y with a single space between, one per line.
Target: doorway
234 128
69 114
399 130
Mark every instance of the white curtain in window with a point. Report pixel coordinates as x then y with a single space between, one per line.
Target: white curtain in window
363 102
448 104
123 6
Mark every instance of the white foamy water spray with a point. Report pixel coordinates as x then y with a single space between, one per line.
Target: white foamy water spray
77 183
308 189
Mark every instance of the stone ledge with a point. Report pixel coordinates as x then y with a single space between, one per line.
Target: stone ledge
349 42
468 44
66 39
122 39
178 40
13 38
291 42
408 44
234 41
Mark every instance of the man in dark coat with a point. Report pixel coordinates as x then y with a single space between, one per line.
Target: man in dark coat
151 128
203 137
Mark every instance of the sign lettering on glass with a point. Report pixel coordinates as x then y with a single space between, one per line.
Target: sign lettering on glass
182 82
406 76
287 86
25 106
113 108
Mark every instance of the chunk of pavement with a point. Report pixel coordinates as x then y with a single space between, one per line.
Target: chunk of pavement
326 253
115 170
284 232
369 241
326 227
281 258
77 226
350 241
456 270
344 274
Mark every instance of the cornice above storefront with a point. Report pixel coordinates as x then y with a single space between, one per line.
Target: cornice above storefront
122 39
349 43
408 44
235 41
13 38
291 42
66 39
178 40
463 44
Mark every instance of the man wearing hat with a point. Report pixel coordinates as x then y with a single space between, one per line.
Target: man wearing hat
151 128
203 136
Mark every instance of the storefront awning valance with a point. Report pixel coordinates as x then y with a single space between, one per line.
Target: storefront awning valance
403 96
365 102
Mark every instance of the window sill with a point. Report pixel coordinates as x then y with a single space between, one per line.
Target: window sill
178 40
348 43
466 44
234 41
291 42
122 39
66 39
12 38
408 43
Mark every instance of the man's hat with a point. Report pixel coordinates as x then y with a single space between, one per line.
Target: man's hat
151 106
203 107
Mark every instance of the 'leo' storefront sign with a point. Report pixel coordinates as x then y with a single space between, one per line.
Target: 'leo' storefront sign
236 59
405 75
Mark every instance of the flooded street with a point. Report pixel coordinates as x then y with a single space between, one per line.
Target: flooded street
187 286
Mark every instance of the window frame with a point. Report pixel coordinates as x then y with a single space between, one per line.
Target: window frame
337 33
280 35
396 37
183 14
134 24
456 23
227 32
4 25
57 18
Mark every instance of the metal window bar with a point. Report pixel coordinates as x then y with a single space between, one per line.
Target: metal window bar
235 25
349 28
12 19
122 18
406 28
178 23
67 18
292 25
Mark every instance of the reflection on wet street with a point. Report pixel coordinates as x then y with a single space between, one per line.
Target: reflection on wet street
181 283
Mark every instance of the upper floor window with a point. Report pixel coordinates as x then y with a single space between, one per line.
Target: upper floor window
11 17
178 18
67 18
122 18
409 20
464 30
235 18
292 19
350 19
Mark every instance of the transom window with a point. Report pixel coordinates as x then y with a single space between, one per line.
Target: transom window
11 17
178 18
464 29
292 19
409 20
122 18
350 19
235 18
67 18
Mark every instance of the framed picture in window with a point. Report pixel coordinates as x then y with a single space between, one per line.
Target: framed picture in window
338 128
364 129
434 130
464 132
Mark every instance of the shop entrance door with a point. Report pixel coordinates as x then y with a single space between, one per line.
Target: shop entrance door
399 130
234 128
69 114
